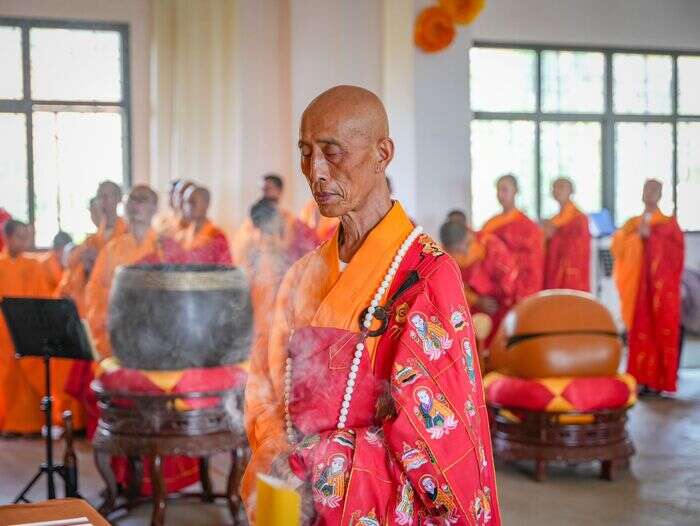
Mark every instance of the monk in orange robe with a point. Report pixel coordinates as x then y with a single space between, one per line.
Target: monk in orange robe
648 256
294 230
367 397
81 260
489 271
201 240
22 380
52 261
522 237
568 254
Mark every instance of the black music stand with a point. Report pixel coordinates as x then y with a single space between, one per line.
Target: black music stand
47 328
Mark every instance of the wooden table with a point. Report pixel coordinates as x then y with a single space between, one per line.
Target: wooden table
50 510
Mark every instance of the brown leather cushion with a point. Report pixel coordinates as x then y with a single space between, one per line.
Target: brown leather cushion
556 333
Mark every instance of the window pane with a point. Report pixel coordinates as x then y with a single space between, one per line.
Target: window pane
13 165
642 151
497 148
572 150
502 79
688 194
573 81
642 83
10 63
73 152
689 85
69 64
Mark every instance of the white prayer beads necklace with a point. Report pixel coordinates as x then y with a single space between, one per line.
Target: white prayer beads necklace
359 348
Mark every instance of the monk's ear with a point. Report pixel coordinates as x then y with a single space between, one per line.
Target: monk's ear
385 153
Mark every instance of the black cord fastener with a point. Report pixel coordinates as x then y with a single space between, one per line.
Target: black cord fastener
383 313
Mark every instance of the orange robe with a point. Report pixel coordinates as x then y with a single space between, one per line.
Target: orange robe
74 278
208 245
51 263
316 320
568 256
489 269
324 226
525 241
647 273
22 380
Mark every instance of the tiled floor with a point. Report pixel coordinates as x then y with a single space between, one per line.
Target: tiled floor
661 488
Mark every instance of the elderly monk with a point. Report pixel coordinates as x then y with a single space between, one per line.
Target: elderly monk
52 261
367 396
522 237
167 221
648 256
294 230
81 260
22 380
568 251
201 240
489 270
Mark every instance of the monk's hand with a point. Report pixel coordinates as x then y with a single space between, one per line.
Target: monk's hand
548 228
487 304
644 229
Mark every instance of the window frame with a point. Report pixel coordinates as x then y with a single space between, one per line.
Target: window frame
26 105
607 119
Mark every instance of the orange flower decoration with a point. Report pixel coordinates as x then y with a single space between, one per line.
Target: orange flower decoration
434 29
463 11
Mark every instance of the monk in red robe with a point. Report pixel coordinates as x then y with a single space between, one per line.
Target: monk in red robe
22 380
568 254
294 230
52 261
367 396
648 257
522 237
489 271
201 240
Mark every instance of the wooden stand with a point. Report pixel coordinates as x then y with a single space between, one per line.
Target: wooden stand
149 426
541 437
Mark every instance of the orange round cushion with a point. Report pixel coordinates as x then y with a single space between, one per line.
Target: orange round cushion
565 394
556 333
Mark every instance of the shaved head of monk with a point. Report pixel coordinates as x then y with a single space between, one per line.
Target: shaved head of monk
141 205
196 204
109 195
18 236
345 150
179 193
651 194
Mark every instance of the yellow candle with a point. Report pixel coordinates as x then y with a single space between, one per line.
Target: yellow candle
277 504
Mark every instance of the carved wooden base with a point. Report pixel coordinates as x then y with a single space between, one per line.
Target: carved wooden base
141 426
543 438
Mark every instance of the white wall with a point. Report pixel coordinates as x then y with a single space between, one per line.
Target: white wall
136 13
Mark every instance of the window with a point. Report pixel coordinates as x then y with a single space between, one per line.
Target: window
607 119
64 120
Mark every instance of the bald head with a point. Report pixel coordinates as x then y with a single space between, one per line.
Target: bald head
141 205
562 189
196 204
651 194
109 195
345 149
